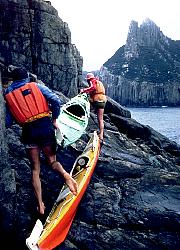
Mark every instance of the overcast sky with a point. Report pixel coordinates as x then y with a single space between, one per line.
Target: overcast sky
100 27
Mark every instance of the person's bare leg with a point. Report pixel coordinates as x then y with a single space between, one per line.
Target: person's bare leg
51 157
34 156
100 114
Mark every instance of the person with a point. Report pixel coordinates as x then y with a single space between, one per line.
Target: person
35 108
98 99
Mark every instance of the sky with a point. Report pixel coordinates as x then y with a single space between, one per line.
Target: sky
100 27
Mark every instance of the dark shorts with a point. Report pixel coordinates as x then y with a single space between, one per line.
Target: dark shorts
98 105
39 133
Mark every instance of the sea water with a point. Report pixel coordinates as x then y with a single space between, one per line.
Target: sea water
165 120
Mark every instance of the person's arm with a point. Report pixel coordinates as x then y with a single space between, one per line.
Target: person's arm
89 89
9 119
53 100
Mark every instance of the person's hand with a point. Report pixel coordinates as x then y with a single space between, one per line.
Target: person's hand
55 124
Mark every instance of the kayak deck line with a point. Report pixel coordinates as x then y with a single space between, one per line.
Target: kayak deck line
65 201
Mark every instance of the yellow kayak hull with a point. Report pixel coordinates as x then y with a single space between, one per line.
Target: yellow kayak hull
61 216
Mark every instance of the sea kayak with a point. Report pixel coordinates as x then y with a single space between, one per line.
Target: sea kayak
59 221
73 120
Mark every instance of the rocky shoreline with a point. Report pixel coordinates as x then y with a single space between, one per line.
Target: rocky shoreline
132 201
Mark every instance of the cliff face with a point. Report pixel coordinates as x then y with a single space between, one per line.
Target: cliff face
132 201
33 35
135 93
142 71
